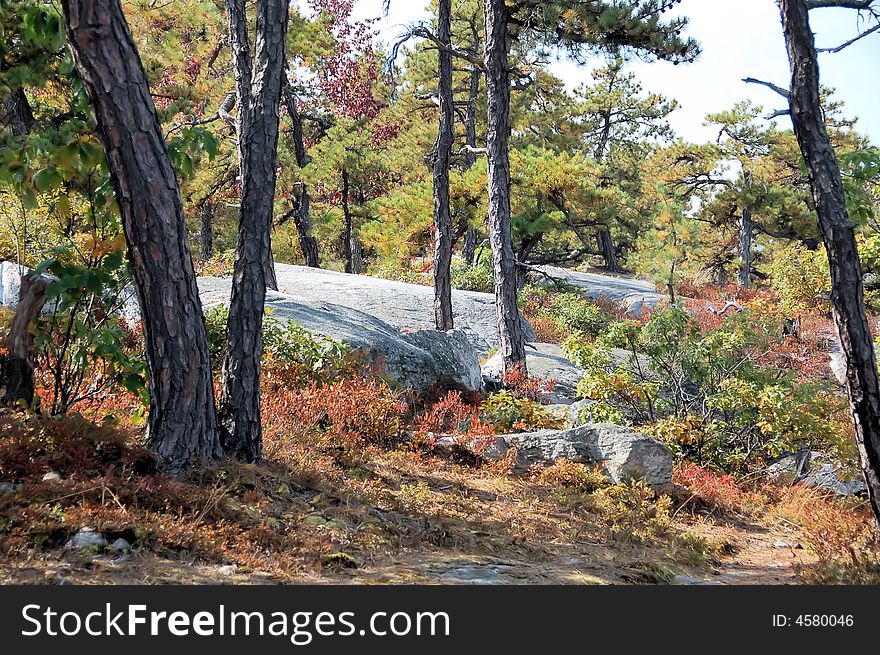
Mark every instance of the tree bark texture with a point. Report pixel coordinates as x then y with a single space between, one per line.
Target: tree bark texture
182 424
17 365
206 232
746 232
259 84
347 223
511 341
301 217
838 232
17 112
443 151
606 247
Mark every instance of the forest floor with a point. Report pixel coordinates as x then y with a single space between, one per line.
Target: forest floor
373 517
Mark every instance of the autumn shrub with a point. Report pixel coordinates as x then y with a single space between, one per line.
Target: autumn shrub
355 410
633 512
556 315
510 413
710 490
840 532
32 445
572 475
449 415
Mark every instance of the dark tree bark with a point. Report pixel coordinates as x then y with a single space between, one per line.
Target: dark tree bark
512 343
17 365
606 247
182 424
347 223
838 232
17 112
206 235
259 91
469 248
746 233
301 217
443 151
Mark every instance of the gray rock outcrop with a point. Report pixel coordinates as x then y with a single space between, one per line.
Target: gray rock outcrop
621 452
418 360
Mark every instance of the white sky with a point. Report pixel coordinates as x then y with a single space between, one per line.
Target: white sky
740 38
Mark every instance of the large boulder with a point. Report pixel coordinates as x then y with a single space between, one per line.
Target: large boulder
632 294
399 304
419 360
621 452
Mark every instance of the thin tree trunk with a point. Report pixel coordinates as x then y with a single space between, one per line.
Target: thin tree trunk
206 217
17 365
442 210
357 255
606 247
301 217
838 232
347 223
182 424
469 249
746 232
259 91
511 341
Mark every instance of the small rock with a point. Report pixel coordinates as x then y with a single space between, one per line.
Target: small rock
782 544
229 569
120 546
86 538
7 488
51 476
64 581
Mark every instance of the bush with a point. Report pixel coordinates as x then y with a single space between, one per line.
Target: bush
509 413
633 512
557 315
83 348
571 475
290 352
702 392
478 277
800 278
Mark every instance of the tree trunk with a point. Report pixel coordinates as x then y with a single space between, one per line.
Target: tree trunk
17 365
838 232
17 112
469 249
206 216
357 255
606 247
182 424
347 224
442 210
511 342
746 231
259 90
301 217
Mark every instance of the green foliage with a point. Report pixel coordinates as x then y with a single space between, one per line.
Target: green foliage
478 277
800 278
509 413
289 350
701 391
83 348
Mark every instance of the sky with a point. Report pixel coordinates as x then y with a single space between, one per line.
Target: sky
740 38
